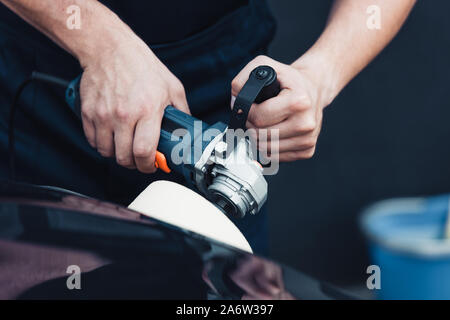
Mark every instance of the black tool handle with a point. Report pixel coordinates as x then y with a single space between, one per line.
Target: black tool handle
261 85
272 86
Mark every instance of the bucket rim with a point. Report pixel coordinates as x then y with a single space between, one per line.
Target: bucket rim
431 248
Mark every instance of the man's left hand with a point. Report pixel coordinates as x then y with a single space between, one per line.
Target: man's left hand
296 112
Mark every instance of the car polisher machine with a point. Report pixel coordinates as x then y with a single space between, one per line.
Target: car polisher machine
227 174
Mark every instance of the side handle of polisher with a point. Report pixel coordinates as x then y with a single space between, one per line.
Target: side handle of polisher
262 84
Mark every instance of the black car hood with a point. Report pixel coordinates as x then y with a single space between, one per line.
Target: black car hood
123 255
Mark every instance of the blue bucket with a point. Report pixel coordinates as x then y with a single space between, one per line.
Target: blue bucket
406 242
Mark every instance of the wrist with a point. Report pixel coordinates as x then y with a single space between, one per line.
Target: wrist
324 71
110 37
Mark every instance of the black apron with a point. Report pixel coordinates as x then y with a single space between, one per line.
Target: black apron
51 148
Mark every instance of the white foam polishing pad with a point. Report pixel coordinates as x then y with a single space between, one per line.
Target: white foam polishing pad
177 205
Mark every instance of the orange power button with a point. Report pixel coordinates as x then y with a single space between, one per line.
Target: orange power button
161 162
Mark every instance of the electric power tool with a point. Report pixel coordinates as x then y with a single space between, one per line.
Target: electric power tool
225 173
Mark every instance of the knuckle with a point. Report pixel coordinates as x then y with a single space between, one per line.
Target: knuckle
236 85
123 161
309 143
310 124
262 58
307 154
122 114
300 102
142 151
313 143
307 124
234 82
310 153
102 114
86 112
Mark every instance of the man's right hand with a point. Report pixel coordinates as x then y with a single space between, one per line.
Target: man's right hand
124 92
125 87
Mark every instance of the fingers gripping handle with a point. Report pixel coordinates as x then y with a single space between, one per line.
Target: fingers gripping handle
74 102
261 85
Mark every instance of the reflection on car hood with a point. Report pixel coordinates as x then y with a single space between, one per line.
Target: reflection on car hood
123 255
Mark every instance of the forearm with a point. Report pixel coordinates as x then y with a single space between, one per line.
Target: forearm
347 45
101 30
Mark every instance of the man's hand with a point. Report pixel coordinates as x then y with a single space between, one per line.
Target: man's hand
124 93
124 88
311 83
296 112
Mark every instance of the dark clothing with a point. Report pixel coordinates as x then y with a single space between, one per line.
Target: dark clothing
50 145
172 20
154 21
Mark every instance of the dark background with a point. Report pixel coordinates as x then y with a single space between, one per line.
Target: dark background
387 135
